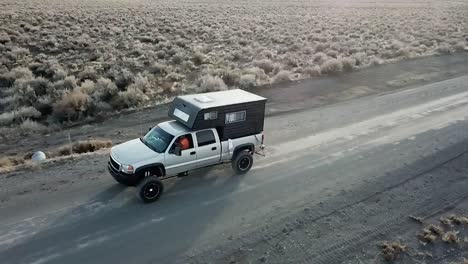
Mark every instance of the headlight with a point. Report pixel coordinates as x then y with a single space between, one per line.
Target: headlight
126 169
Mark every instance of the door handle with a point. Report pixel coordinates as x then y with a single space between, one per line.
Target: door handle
193 153
213 148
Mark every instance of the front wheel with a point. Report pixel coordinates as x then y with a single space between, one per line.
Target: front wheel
150 189
242 163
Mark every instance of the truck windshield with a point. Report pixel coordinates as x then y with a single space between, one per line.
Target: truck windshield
157 139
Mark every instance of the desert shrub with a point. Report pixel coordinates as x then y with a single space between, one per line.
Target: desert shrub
105 89
312 71
391 251
267 54
16 73
360 58
18 115
88 73
68 83
460 46
199 58
122 77
87 87
174 77
260 75
11 161
282 76
177 59
402 52
32 126
158 69
4 38
332 53
40 85
348 63
44 105
331 66
141 83
80 147
319 58
72 106
267 65
321 47
161 54
247 81
230 77
208 83
90 145
59 74
132 97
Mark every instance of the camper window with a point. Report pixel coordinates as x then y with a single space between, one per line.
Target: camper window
235 117
211 115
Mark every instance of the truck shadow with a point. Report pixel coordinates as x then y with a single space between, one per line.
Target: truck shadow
108 229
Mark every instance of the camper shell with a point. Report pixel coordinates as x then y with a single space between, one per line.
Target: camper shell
233 113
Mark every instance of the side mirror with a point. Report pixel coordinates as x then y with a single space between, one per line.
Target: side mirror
149 129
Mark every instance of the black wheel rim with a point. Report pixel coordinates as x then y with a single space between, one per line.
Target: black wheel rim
244 163
151 191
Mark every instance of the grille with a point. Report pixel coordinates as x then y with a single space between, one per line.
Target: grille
114 164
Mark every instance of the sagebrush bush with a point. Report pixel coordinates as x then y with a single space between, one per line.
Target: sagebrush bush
266 65
282 76
331 66
105 89
312 71
29 125
319 58
72 106
247 81
132 97
208 83
18 115
348 63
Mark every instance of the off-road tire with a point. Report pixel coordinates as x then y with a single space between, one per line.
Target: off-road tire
242 162
150 189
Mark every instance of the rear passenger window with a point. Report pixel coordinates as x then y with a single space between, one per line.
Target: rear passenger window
205 138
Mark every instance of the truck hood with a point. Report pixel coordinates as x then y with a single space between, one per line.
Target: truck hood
132 152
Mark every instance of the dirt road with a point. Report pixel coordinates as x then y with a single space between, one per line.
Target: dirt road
335 181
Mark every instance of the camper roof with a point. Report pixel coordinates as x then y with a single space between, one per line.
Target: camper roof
216 99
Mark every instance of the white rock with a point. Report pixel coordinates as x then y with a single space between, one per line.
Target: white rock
38 156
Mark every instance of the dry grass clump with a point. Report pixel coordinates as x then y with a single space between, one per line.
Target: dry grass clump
430 233
391 250
79 147
79 59
11 161
451 237
29 125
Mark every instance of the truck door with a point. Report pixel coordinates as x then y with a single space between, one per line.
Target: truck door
208 148
186 161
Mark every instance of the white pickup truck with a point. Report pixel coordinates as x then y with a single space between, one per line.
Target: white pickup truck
145 161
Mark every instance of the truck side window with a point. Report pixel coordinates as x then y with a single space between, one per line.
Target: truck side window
180 141
205 138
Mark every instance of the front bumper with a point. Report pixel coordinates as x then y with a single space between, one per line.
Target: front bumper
123 178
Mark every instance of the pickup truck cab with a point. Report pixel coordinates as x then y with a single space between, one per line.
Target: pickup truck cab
144 162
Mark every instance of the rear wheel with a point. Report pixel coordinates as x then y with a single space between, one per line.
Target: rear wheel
150 189
242 163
